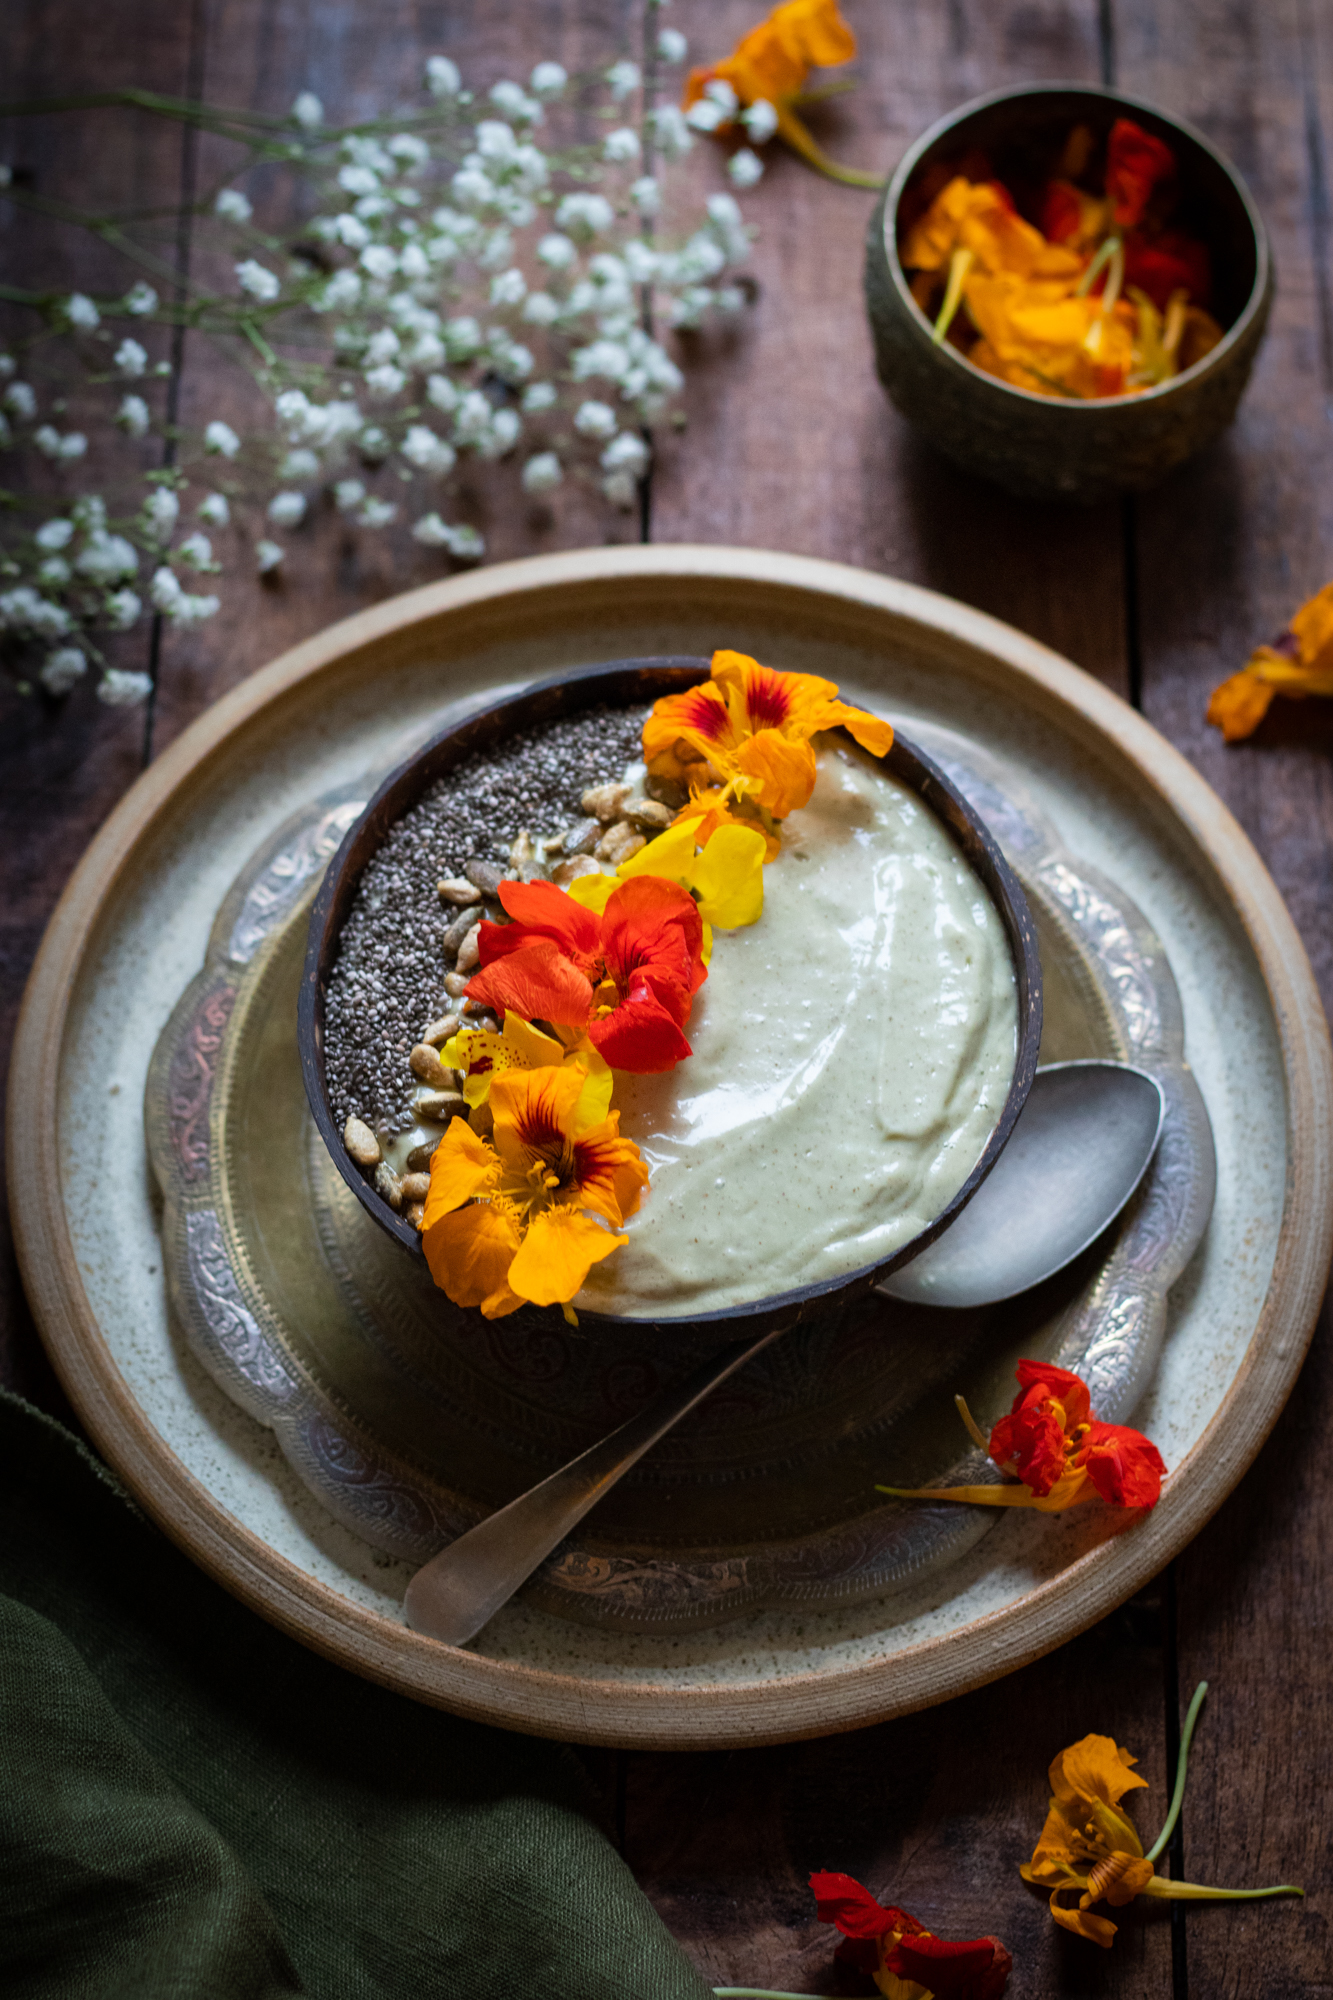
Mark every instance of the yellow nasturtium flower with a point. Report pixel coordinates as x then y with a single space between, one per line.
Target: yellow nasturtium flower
726 879
1300 663
480 1055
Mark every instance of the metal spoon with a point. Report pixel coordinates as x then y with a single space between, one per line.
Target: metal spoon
1082 1145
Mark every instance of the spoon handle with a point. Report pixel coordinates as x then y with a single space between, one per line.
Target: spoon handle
460 1590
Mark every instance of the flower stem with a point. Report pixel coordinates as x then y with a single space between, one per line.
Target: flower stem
959 266
802 140
1195 1892
1102 258
1178 1795
974 1430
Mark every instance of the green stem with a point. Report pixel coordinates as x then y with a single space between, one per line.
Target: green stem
1099 262
1194 1892
959 265
1178 1795
974 1429
801 140
252 333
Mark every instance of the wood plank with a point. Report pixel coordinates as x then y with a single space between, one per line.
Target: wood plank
792 443
1228 550
63 766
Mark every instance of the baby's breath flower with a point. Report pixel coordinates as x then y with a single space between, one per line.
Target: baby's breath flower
687 309
61 669
621 489
130 358
300 464
57 534
538 396
214 509
724 220
233 206
26 610
20 401
254 278
584 215
221 438
80 311
377 513
268 555
745 168
358 180
373 443
642 262
308 111
105 558
622 78
348 493
54 573
626 453
462 338
383 346
426 351
646 195
161 509
672 45
496 249
760 120
670 131
705 115
542 473
557 252
385 381
429 453
119 688
340 294
718 91
285 510
122 609
622 144
379 260
540 309
132 416
50 442
729 299
596 420
472 417
442 77
7 365
140 299
548 80
89 513
509 288
197 551
506 426
352 234
413 262
513 100
410 152
608 359
442 393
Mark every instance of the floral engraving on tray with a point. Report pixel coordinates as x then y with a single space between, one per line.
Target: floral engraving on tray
277 888
646 1584
190 1081
1112 941
367 1491
234 1331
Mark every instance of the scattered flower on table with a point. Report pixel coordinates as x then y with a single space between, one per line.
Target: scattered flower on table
1055 1451
905 1960
761 86
1089 1849
471 282
1298 663
1097 296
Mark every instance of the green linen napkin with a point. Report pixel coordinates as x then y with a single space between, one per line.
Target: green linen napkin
193 1805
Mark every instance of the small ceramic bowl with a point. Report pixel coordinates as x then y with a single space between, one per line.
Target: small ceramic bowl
1055 448
626 684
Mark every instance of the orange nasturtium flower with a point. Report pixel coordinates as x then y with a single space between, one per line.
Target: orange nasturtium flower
1090 1848
771 65
905 1960
1299 663
744 736
505 1220
1057 1450
626 977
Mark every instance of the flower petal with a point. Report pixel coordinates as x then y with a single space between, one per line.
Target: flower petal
1123 1465
542 909
841 1900
1095 1769
535 980
783 771
462 1167
652 928
977 1969
728 876
556 1255
1098 1930
534 1117
470 1252
608 1171
640 1036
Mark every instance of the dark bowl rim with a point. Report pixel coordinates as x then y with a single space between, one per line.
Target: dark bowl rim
1254 305
601 682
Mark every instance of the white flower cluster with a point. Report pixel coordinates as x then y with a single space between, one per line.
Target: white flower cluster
469 293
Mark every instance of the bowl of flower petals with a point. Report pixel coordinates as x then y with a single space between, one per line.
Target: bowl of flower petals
669 992
1067 290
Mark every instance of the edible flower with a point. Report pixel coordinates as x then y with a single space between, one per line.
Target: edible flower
626 976
742 740
480 1055
770 66
722 869
1135 162
1056 1451
1298 663
1090 1849
905 1960
504 1220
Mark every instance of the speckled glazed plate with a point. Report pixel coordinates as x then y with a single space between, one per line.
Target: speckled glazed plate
1135 825
411 1420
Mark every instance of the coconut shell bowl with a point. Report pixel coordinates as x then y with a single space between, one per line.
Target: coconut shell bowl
637 684
1060 446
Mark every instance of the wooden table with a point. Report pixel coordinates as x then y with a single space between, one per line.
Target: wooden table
791 445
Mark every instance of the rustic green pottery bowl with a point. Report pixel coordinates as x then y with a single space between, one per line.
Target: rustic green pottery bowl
1047 447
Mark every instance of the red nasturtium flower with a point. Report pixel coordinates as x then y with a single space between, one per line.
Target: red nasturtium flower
505 1221
1135 163
905 1960
745 735
627 977
1057 1450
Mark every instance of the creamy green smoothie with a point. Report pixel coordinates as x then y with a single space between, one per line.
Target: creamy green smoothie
852 1052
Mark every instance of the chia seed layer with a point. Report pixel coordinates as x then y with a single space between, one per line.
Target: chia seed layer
387 982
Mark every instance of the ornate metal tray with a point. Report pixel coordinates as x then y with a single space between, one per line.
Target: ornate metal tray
409 1420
